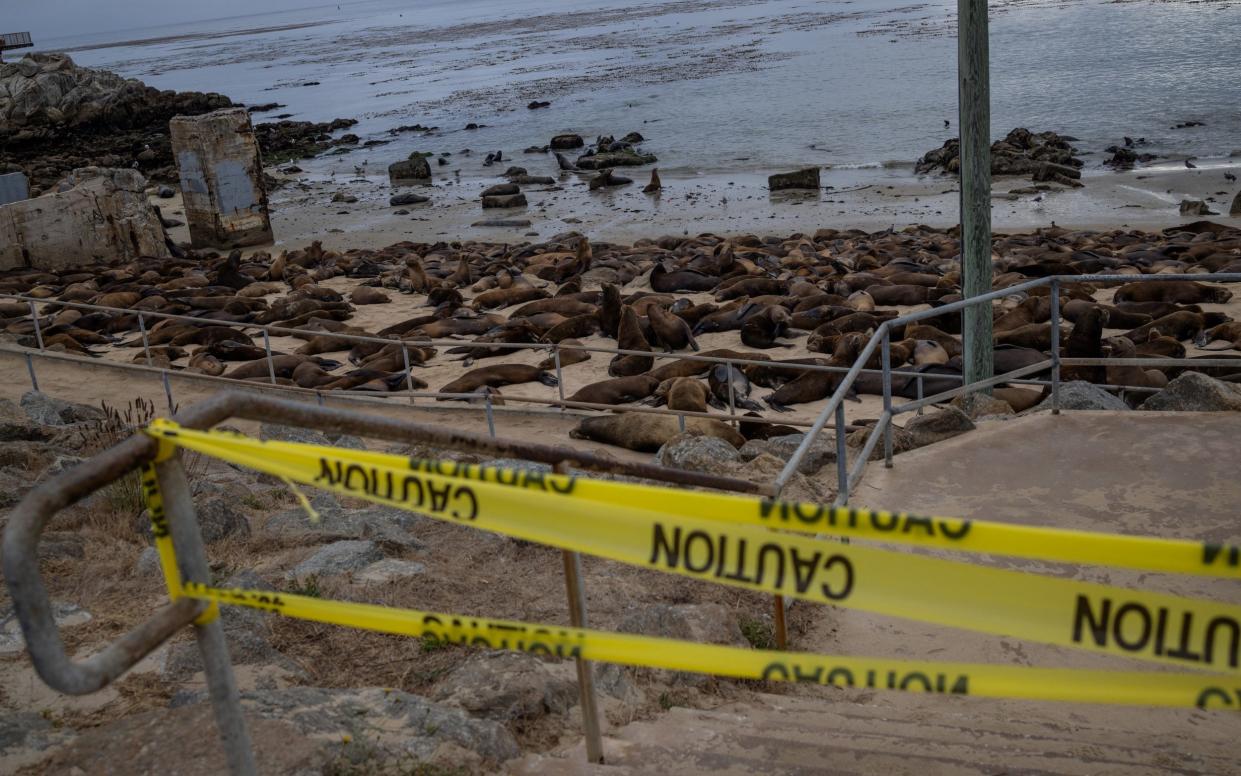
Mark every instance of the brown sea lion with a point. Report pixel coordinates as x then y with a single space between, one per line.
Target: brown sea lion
205 363
671 331
1020 399
1183 325
688 394
929 352
1086 341
452 327
568 355
610 311
630 337
1033 335
497 376
687 368
1226 336
949 343
812 386
368 295
1129 375
647 433
667 279
507 297
618 390
762 329
282 365
724 379
573 328
750 286
557 304
1178 291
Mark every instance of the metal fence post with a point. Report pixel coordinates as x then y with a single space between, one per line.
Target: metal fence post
919 381
887 397
271 366
172 408
409 377
842 455
146 344
38 331
559 375
192 560
34 381
1055 346
576 590
491 421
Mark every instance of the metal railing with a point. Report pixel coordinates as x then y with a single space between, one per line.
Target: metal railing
32 515
847 479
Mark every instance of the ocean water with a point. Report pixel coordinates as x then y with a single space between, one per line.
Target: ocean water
715 86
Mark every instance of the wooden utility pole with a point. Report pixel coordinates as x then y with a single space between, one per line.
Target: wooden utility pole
974 100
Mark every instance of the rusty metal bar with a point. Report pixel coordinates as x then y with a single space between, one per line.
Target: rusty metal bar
409 376
778 623
192 563
34 381
1055 347
146 343
172 407
271 365
38 331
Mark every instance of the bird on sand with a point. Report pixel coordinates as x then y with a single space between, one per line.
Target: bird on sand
1230 177
1190 164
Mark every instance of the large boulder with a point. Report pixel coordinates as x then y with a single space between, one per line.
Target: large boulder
48 411
507 686
625 158
934 427
822 451
387 525
308 436
415 168
335 559
1081 395
1196 392
698 453
807 178
567 142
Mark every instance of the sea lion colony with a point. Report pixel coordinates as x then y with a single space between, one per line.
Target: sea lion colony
832 288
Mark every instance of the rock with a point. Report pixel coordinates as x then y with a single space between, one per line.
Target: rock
1021 152
389 570
699 623
980 405
147 564
698 453
501 190
1235 209
627 158
534 180
564 164
16 425
516 172
802 179
416 168
336 558
60 464
1049 171
47 411
822 451
341 196
62 546
567 142
407 199
511 200
934 427
64 614
1196 207
506 687
219 519
30 731
385 719
536 104
1081 395
1196 392
166 192
632 138
308 437
504 223
386 525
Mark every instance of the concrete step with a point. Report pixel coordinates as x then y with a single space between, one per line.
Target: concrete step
866 733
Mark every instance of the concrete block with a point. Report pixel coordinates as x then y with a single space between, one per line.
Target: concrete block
13 188
95 215
221 179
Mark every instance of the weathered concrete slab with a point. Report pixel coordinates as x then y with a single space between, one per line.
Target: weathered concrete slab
13 188
221 179
96 215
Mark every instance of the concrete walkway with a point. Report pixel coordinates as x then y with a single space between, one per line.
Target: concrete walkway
1162 474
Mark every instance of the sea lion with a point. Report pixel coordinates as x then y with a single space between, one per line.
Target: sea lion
762 329
610 311
557 304
282 365
630 337
1183 325
1020 399
569 355
812 386
368 295
1085 341
750 286
686 368
1226 336
507 297
618 390
647 433
205 363
754 430
729 317
687 394
1129 375
573 328
665 279
670 330
1033 335
929 352
497 376
1178 291
945 340
725 378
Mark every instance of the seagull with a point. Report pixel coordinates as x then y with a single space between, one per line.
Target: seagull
1230 177
1190 164
947 124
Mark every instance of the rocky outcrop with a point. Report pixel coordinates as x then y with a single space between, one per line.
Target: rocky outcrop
802 179
1043 155
698 453
1081 395
1196 392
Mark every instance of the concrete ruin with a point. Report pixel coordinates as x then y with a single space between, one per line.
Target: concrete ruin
221 179
14 188
95 215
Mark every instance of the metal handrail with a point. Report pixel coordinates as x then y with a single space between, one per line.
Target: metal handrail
881 338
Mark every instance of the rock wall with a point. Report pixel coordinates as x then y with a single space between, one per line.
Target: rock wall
97 215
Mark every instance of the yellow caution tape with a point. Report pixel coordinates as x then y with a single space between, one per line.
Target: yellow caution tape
1055 684
163 537
1101 618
